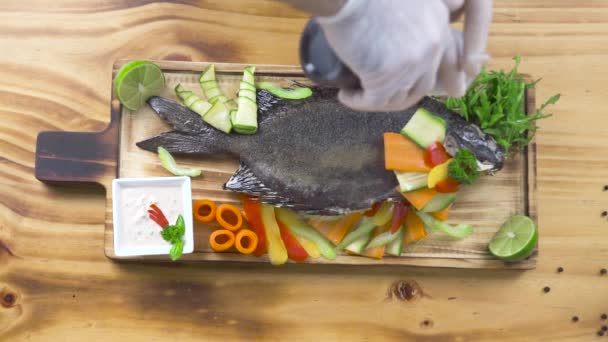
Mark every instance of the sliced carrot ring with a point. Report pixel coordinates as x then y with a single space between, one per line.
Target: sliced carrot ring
246 241
204 211
221 239
229 217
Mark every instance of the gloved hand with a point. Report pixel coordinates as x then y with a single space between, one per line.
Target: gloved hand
403 50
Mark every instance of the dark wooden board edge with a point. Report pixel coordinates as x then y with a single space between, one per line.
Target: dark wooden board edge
294 71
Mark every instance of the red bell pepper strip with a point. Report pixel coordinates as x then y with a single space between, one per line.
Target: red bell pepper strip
157 216
435 154
373 210
400 213
295 251
254 217
447 185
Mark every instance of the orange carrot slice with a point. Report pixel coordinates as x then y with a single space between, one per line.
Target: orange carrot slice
335 231
402 154
443 214
414 229
420 198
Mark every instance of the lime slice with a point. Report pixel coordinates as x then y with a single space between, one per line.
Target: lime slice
136 81
515 240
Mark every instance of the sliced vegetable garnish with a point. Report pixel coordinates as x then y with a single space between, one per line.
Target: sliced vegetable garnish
400 214
221 240
443 214
447 186
411 181
245 119
254 217
170 233
463 167
364 228
438 173
295 251
229 217
300 229
439 202
277 253
373 210
358 246
382 239
246 241
204 211
384 214
401 154
459 231
435 154
376 252
420 198
298 93
157 216
414 229
167 161
310 247
396 247
335 232
192 101
424 128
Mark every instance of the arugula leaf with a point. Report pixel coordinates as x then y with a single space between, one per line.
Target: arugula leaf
495 102
177 250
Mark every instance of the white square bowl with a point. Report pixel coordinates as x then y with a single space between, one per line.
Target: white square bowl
180 184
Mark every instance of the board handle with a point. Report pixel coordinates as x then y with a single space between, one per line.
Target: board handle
74 158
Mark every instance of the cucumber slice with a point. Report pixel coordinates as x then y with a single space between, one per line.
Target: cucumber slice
381 240
208 74
206 85
218 116
358 246
439 202
232 114
247 85
365 227
213 93
284 93
411 181
167 161
231 104
250 94
425 128
396 247
192 101
245 120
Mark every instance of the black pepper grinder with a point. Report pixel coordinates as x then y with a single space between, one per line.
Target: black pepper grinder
319 61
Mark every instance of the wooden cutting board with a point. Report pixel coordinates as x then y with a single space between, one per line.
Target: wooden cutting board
78 158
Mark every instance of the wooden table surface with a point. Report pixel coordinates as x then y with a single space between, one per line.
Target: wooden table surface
56 284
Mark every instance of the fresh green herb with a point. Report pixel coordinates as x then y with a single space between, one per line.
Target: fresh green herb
463 167
495 102
174 234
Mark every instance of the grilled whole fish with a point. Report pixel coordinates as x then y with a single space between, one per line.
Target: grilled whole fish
314 155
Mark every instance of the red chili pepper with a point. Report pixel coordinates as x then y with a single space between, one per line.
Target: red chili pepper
254 217
373 210
447 185
295 251
400 213
157 216
435 154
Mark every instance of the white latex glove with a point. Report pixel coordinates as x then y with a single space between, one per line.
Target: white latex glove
402 50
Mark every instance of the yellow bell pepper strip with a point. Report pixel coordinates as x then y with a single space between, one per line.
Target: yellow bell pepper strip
420 198
277 253
364 228
204 211
301 230
377 252
246 241
311 249
438 174
459 231
384 214
443 214
414 229
402 154
221 240
336 232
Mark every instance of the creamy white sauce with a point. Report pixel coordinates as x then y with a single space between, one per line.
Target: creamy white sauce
138 229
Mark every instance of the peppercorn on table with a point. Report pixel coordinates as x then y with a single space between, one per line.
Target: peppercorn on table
56 74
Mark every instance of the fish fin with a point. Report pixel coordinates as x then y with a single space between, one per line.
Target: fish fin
179 117
181 143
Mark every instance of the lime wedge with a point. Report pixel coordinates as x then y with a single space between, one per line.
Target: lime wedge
515 240
136 81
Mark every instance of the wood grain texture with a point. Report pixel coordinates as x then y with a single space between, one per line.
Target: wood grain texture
486 205
55 73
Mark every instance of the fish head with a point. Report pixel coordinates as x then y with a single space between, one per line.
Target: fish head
490 156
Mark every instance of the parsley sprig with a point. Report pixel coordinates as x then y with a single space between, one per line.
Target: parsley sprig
495 102
174 234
